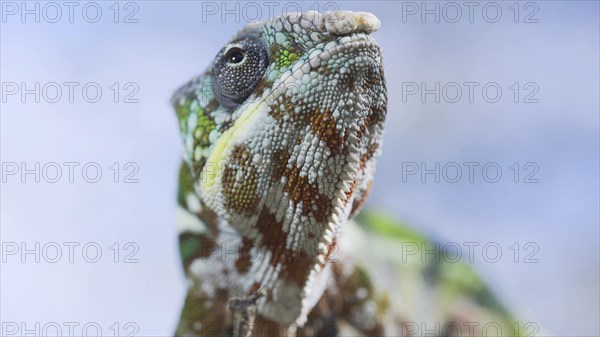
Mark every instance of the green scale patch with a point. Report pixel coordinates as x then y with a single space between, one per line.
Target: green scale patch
285 57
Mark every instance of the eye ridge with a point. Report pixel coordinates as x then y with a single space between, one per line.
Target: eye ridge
235 55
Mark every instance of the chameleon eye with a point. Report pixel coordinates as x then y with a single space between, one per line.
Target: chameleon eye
235 55
237 71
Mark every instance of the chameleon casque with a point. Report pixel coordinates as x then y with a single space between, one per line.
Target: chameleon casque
281 135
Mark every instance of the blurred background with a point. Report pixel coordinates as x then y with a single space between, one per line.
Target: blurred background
547 123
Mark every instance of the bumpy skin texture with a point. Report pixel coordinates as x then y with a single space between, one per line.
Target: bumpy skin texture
282 146
281 135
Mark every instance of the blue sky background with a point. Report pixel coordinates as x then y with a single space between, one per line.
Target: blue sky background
170 43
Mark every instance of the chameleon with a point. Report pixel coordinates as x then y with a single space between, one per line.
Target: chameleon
281 135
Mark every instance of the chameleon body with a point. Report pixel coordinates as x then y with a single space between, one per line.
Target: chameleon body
281 135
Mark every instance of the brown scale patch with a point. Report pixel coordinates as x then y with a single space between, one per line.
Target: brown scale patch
331 249
241 196
360 200
364 158
270 296
243 263
225 126
263 85
323 208
280 161
360 133
320 120
296 267
273 236
209 218
277 113
323 125
363 128
325 71
346 134
211 106
350 191
299 189
273 51
351 83
254 288
376 115
366 85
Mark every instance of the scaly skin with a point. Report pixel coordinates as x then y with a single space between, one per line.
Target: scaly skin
281 136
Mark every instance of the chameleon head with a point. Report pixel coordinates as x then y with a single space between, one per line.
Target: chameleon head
281 134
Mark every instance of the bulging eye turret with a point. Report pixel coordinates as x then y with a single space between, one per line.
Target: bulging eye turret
237 70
